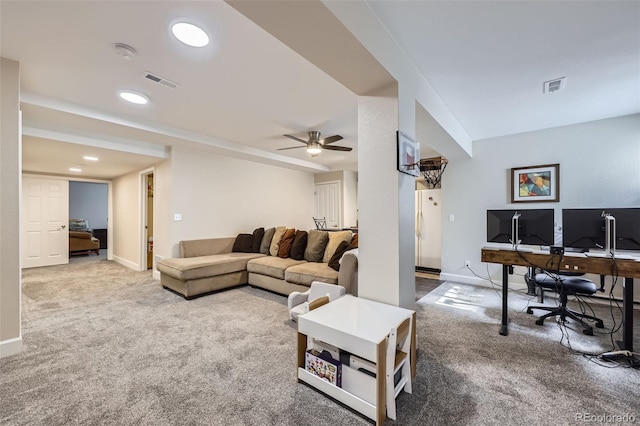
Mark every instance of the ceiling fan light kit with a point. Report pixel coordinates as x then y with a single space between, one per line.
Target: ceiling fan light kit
315 145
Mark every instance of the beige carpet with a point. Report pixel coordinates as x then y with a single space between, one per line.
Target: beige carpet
105 345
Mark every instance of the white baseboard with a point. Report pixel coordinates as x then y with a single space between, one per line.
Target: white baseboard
10 347
127 263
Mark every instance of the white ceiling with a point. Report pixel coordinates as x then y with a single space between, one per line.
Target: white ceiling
486 60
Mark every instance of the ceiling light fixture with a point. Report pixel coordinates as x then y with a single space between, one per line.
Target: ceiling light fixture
134 97
90 158
314 149
190 34
75 169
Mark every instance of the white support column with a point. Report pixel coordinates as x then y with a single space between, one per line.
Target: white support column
10 176
385 202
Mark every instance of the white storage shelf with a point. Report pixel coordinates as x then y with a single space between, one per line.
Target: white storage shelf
343 395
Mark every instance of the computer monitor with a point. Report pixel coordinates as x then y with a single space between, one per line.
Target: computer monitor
586 228
627 228
583 228
535 226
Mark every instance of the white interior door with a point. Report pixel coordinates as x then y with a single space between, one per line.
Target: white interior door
327 203
45 222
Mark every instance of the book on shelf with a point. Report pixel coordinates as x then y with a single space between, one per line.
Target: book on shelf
324 366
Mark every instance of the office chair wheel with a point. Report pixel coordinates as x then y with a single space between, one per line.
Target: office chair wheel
540 322
529 311
600 324
588 331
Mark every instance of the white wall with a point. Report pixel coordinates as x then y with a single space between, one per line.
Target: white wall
126 220
599 166
220 196
88 200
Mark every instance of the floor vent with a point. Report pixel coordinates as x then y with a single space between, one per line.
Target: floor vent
553 85
160 80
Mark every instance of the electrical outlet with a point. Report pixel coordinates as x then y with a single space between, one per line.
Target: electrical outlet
467 264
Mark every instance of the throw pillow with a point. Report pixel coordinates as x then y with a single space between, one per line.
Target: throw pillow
275 241
258 233
266 240
354 241
334 241
316 245
298 246
334 262
286 242
243 243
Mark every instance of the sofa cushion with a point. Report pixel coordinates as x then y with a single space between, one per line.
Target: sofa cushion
243 244
266 240
275 241
271 266
258 233
306 273
334 241
334 262
316 245
190 268
298 246
286 242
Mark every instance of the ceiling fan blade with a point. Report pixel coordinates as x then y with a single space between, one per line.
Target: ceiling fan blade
331 139
291 147
336 148
295 138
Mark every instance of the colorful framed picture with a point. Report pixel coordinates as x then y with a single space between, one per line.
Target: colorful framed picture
408 155
535 183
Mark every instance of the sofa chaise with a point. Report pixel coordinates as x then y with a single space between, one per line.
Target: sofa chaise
214 264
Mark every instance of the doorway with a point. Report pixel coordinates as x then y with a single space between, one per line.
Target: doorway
147 219
327 203
89 202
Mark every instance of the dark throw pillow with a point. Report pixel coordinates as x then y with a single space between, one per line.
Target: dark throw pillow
286 242
298 246
266 240
258 233
243 243
334 262
316 243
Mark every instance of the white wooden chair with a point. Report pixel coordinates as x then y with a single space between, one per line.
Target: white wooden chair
299 303
398 359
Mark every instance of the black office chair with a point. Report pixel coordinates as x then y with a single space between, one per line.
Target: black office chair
565 284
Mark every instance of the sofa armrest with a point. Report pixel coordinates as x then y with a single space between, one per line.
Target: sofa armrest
195 248
80 234
348 273
296 298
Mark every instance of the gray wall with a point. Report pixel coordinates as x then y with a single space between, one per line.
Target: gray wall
88 200
599 167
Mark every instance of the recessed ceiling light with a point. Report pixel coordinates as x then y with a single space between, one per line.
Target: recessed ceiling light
134 97
90 158
190 34
75 169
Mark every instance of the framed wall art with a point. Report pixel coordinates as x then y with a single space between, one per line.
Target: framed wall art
535 183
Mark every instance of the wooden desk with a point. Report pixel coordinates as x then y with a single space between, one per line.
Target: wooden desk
569 262
361 327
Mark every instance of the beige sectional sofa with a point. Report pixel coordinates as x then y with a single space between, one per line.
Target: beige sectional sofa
210 264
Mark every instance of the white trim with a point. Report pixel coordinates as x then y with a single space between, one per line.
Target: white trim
10 347
156 274
124 262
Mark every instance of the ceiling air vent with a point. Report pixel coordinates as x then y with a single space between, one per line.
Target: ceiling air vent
160 80
553 85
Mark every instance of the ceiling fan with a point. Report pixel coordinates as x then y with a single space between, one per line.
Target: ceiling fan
315 145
